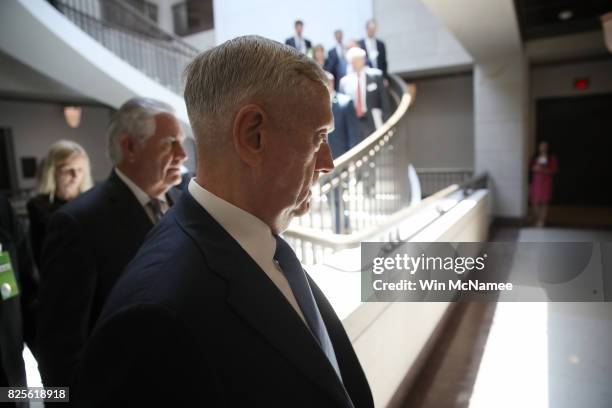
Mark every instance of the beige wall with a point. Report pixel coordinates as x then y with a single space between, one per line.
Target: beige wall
441 124
36 125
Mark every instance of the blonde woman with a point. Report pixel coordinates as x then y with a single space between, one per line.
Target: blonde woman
65 174
318 54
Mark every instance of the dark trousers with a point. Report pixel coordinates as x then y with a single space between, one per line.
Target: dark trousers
366 122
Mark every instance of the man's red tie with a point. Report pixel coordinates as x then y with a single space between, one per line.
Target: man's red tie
358 102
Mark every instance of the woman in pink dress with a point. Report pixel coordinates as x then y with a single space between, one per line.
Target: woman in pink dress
543 168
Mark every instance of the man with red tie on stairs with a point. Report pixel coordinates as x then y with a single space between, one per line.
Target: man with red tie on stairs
215 310
366 87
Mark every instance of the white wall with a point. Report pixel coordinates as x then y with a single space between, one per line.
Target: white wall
416 40
441 124
35 126
501 106
573 46
274 19
202 40
19 79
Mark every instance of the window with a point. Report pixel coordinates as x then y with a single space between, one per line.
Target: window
193 16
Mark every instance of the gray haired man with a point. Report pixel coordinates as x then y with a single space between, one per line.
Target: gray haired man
215 310
91 239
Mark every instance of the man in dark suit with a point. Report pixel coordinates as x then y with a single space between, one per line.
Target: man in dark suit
18 289
347 132
298 42
91 239
366 87
216 303
336 59
376 52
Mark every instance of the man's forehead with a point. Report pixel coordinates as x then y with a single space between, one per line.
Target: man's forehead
320 108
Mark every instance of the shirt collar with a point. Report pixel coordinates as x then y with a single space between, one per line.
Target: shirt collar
142 197
253 235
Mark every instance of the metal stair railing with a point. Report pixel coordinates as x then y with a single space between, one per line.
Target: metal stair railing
312 246
132 37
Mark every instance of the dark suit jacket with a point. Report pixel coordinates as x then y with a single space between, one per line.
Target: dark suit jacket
347 132
335 65
40 210
291 42
381 60
17 315
89 242
194 318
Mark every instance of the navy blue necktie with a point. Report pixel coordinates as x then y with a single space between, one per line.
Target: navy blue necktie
156 207
292 269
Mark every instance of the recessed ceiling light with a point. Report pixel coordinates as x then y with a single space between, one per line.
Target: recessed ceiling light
566 15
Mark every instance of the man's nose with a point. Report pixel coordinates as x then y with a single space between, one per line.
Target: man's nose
179 152
325 161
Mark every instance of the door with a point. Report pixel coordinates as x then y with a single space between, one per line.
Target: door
579 131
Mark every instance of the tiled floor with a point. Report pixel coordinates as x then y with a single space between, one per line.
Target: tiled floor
528 355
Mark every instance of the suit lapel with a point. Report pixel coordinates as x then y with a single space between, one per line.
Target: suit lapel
135 220
173 195
253 296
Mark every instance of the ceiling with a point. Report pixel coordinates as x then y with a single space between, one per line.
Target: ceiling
551 18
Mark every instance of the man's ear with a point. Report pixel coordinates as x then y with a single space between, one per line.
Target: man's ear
247 134
128 148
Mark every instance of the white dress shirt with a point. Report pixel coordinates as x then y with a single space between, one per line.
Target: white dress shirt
372 49
251 233
348 86
142 197
340 52
300 44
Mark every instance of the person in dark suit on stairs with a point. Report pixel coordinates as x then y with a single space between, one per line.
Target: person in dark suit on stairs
298 41
336 59
366 87
376 52
347 132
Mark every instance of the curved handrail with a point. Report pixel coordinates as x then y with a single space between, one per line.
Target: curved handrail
338 241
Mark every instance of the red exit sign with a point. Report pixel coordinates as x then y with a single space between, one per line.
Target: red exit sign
581 84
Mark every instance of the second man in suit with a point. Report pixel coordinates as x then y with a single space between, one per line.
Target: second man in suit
91 239
376 52
336 59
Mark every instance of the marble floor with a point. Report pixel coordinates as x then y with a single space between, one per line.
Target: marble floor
529 355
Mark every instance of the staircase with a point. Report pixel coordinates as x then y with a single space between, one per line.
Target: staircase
90 51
